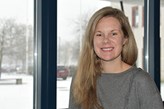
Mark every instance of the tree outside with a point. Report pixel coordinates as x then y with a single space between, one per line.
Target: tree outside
16 47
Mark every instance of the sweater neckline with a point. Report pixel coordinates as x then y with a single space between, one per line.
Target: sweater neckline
120 73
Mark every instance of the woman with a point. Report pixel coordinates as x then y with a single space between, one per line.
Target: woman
106 77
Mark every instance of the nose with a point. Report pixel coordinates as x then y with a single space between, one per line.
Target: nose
106 40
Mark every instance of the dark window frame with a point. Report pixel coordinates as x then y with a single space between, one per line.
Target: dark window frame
152 39
45 54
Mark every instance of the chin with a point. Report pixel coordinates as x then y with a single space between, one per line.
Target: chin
107 59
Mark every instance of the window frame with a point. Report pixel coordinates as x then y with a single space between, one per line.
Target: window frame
45 54
152 39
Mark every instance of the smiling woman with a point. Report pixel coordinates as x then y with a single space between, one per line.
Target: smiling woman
106 75
72 21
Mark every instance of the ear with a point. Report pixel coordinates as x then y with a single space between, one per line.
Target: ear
125 40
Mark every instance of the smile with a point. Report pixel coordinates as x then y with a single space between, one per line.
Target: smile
107 49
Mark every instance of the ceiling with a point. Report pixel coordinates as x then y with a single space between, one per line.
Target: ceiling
141 2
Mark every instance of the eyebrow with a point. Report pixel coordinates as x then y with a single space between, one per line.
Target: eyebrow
115 30
110 31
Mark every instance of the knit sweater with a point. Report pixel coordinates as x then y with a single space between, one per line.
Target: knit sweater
131 89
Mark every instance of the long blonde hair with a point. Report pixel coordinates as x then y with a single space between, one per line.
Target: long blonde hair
89 66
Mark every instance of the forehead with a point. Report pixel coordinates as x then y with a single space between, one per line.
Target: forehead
109 22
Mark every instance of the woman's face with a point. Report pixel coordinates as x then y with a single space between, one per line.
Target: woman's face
108 39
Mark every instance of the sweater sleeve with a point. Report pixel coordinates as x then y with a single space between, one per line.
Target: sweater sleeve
147 91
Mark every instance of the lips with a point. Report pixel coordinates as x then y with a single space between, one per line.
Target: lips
106 49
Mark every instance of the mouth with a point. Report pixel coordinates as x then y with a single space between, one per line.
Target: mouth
107 49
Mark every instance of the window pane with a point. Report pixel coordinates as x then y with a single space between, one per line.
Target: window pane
162 47
16 54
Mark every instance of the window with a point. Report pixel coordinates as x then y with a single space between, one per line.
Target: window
16 54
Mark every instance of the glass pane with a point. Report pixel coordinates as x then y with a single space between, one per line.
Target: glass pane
16 54
73 16
162 47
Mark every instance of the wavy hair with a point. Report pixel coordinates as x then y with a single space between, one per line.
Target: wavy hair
89 65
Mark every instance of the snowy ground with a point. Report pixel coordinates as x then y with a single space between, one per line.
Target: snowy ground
20 96
16 96
63 89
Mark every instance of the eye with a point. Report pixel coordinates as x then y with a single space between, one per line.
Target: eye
98 34
114 33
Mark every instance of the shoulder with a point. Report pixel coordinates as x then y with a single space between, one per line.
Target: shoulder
146 90
144 80
141 75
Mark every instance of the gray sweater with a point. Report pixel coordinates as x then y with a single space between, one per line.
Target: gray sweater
131 89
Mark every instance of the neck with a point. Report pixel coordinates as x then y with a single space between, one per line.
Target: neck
115 67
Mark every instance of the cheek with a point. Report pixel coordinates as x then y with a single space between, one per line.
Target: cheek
96 46
121 41
96 43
